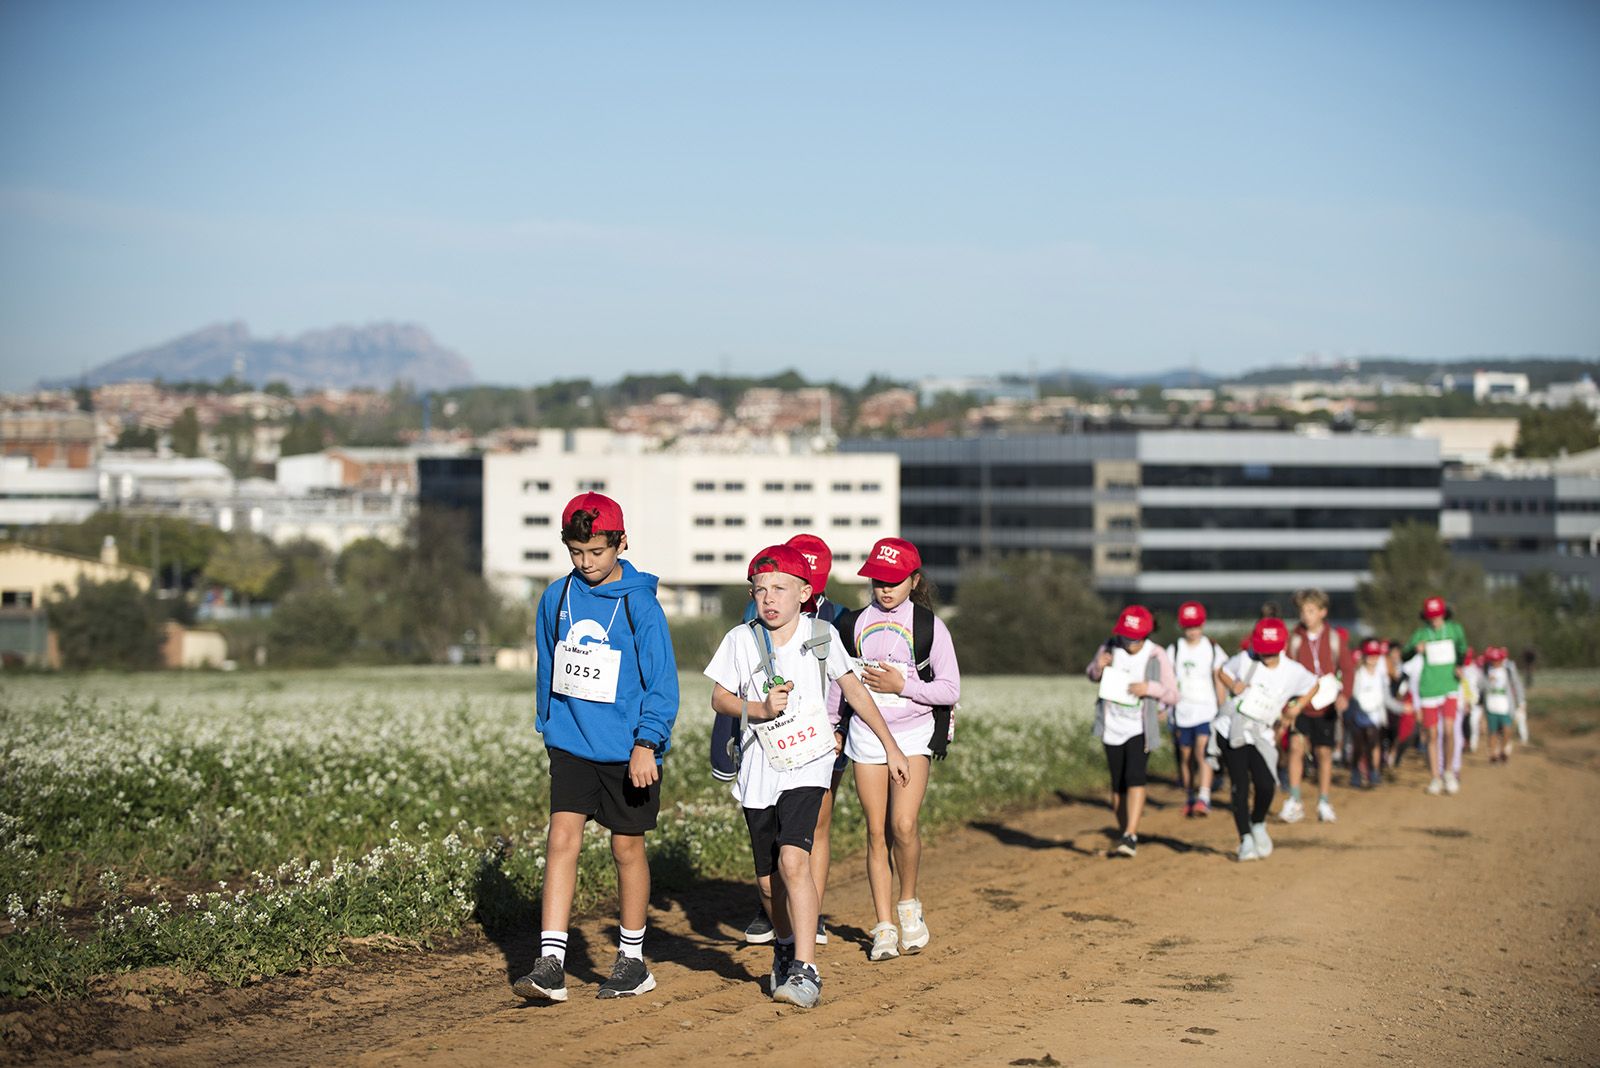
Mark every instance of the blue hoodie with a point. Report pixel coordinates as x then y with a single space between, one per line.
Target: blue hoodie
647 692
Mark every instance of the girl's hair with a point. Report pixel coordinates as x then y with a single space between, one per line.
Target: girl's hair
923 591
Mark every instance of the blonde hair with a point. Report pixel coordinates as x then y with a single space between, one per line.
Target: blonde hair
1311 596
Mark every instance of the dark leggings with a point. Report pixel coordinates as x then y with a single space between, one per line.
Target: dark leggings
1244 764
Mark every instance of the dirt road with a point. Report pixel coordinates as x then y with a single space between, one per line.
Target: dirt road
1416 930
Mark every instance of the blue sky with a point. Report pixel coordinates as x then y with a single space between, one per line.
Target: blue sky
594 189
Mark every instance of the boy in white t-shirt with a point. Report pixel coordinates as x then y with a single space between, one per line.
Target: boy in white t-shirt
1195 660
772 674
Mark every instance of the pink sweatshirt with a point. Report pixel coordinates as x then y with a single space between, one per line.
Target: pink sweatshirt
1165 690
887 636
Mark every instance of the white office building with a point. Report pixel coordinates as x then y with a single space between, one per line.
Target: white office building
694 517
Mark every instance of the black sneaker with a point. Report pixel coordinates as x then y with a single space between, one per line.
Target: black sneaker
548 980
782 958
1127 846
759 932
629 978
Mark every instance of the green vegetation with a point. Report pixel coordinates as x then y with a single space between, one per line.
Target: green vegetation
1550 433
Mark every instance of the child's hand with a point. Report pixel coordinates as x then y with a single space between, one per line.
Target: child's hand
1139 689
777 700
1105 659
899 767
642 769
838 742
884 678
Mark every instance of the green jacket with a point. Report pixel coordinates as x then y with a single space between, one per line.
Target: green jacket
1438 680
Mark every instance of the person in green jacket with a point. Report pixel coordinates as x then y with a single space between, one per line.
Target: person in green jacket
1443 645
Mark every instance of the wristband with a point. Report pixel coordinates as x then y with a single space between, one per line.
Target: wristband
645 743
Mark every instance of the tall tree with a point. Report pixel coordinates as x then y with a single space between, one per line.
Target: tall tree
185 433
107 625
245 563
1545 432
1053 629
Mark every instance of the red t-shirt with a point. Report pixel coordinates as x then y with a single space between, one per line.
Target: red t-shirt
1316 656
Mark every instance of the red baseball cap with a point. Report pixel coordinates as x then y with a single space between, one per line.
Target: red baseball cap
783 559
1191 614
1495 653
1134 622
817 554
1433 608
1269 637
607 512
1372 647
891 560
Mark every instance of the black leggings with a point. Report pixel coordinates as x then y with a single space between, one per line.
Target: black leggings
1128 763
1246 763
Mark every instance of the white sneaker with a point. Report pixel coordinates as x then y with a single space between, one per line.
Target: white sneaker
1452 785
1247 849
913 932
885 942
1263 841
1436 787
1292 811
1325 812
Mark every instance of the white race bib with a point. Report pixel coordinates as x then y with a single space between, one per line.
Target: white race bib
587 672
1114 683
1326 693
882 700
1197 688
1439 651
796 738
1498 703
1370 693
1260 704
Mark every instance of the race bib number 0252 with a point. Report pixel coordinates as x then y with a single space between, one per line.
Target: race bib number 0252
587 672
796 738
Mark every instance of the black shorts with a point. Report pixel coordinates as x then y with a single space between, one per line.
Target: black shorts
1128 763
603 793
1320 729
792 822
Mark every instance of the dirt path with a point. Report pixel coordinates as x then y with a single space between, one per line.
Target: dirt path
1417 930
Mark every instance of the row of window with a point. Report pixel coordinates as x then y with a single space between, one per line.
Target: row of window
791 487
1255 559
739 558
1295 475
1067 517
1522 505
999 476
794 521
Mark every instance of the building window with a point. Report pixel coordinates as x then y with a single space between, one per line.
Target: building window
732 558
705 520
842 558
733 487
733 521
705 487
801 521
802 487
535 485
871 487
772 487
1119 554
591 485
535 520
16 598
841 520
841 487
1124 522
869 521
772 521
535 555
705 558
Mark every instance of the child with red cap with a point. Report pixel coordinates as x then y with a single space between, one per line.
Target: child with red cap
606 699
1195 660
1136 679
1442 644
1267 690
909 664
1503 698
1371 700
773 676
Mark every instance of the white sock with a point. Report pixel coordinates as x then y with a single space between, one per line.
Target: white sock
632 943
553 944
1205 795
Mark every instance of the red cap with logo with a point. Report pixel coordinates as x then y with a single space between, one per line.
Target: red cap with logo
1134 622
1269 637
607 512
1433 608
1191 614
783 559
891 560
817 554
1495 654
1372 647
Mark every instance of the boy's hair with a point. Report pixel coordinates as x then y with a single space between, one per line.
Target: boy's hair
1269 610
580 528
1312 596
923 591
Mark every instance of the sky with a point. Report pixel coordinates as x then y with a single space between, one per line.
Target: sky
906 189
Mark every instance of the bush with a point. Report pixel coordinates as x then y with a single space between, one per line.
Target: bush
311 628
1028 615
107 625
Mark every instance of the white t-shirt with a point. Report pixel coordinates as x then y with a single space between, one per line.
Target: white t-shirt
1195 667
736 667
1126 722
1282 683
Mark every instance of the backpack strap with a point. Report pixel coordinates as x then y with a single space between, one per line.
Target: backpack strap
922 620
820 644
846 626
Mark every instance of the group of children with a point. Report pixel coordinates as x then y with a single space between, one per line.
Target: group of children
1287 694
802 691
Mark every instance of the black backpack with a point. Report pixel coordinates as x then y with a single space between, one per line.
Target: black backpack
922 650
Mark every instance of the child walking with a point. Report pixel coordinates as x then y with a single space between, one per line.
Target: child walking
773 677
1371 701
606 698
1503 698
1195 660
1443 646
909 664
1136 679
1325 651
1266 689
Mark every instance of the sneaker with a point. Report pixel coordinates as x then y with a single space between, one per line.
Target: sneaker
1436 787
629 978
1355 780
1325 813
1263 841
1127 846
1374 778
1452 785
548 981
1202 809
822 932
1247 849
885 942
1188 809
803 988
758 932
1292 811
913 932
782 957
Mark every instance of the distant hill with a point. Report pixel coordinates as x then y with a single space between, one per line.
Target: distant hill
1541 370
377 356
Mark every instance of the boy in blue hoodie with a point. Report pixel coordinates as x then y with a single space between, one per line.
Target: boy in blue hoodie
607 697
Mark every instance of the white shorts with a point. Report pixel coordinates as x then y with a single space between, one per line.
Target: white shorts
914 739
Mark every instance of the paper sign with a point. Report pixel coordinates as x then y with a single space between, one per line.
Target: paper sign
1114 683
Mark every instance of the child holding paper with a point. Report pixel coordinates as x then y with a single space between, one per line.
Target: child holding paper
1136 679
